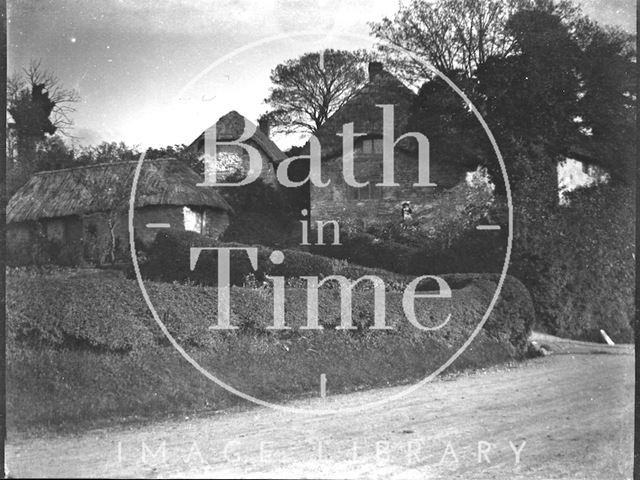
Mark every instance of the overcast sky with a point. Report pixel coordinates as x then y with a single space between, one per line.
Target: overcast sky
134 62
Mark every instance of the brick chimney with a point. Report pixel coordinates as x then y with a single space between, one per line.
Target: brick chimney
375 68
264 124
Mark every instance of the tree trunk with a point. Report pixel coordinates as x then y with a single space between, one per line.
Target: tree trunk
112 243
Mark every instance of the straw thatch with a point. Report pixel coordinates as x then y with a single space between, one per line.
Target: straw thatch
99 188
231 126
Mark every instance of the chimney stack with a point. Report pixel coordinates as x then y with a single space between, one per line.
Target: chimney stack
375 68
264 124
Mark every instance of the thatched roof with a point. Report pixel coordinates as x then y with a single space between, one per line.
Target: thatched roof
101 187
230 127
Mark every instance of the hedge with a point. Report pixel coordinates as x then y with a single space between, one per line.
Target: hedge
168 261
369 251
80 338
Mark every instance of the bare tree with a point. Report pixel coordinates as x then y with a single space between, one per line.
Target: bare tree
39 106
309 89
450 34
41 86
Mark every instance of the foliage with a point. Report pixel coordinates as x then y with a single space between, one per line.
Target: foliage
264 214
168 260
298 264
454 134
43 251
577 261
180 152
39 106
367 250
270 229
452 213
450 34
309 89
38 103
107 152
572 77
80 335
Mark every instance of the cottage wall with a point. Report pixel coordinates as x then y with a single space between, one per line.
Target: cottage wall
90 235
27 241
19 233
171 214
339 201
216 222
20 239
54 229
96 235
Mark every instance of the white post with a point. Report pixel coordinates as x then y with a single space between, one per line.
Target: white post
606 337
323 385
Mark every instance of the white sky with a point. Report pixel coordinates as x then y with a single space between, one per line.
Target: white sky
129 60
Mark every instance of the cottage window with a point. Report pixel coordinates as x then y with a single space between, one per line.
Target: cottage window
371 145
194 221
370 192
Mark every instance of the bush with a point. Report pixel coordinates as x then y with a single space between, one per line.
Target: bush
298 263
369 251
42 251
469 253
264 214
577 261
77 335
266 229
168 261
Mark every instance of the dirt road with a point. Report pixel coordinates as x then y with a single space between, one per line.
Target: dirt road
568 415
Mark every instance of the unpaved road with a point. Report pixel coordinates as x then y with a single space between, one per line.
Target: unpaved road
574 410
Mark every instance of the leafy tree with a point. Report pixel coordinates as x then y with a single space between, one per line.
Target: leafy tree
450 34
107 152
309 89
577 260
54 154
568 87
608 98
454 133
179 152
563 89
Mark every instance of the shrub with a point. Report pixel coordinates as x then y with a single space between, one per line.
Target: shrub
267 229
577 261
264 214
78 335
369 251
107 312
298 263
168 261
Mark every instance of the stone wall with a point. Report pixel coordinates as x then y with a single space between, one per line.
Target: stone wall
339 201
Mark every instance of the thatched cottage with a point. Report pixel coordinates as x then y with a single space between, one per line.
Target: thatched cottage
341 201
81 205
233 158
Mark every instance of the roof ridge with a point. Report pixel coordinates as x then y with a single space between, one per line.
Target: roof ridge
104 164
